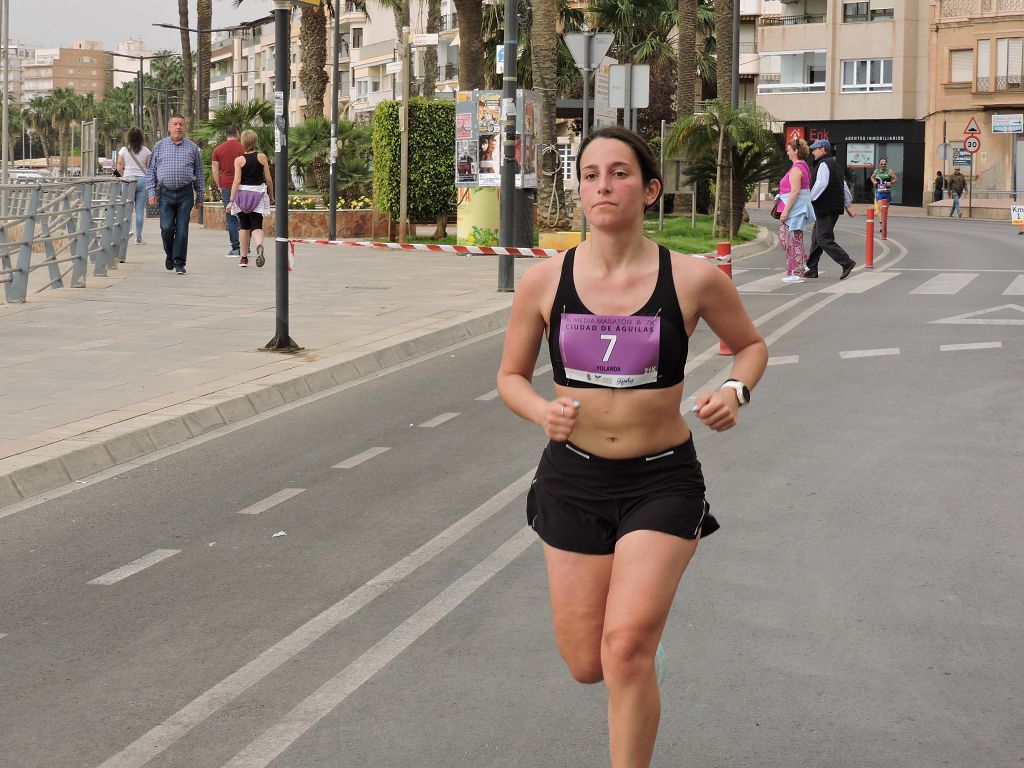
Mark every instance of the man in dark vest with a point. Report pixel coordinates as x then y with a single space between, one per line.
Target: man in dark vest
830 196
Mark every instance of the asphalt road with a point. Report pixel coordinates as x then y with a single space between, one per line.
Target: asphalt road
286 593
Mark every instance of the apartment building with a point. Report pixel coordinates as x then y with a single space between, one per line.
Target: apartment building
855 73
977 57
369 67
17 56
84 67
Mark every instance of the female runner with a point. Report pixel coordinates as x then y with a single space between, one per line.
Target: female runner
618 499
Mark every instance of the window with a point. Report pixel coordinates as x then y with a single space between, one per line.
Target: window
855 12
960 65
862 75
984 65
568 161
357 37
1009 61
882 14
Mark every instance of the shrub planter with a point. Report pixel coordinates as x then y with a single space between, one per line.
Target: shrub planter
349 222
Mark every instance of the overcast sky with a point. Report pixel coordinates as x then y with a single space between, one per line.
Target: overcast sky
55 23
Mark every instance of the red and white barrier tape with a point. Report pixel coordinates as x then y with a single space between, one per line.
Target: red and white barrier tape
469 250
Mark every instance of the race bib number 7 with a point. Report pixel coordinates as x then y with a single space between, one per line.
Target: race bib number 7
610 350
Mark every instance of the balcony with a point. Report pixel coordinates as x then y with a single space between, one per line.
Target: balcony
449 23
350 13
968 9
785 21
770 87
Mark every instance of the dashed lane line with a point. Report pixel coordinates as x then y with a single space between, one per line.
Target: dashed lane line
1016 288
159 738
860 283
855 353
276 739
359 458
438 420
119 574
494 393
271 501
974 345
784 360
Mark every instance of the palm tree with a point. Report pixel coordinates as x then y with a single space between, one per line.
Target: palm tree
544 67
430 56
166 75
204 20
38 122
642 28
471 47
257 115
686 60
714 130
723 47
186 54
67 108
569 19
308 143
313 74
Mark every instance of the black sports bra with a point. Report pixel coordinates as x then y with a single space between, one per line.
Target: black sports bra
645 350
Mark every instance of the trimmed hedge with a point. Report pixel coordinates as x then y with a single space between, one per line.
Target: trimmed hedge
431 158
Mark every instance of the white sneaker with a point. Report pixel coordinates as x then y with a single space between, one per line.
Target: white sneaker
793 279
660 664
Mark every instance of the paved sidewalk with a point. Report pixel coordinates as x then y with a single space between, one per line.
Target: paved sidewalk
143 359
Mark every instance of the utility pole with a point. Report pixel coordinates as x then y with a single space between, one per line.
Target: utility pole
332 227
281 342
403 129
506 233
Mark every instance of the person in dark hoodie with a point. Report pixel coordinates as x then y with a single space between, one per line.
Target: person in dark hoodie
830 196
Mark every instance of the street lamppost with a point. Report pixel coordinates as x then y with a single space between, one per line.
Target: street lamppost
138 83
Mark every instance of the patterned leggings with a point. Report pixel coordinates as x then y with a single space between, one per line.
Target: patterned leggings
793 244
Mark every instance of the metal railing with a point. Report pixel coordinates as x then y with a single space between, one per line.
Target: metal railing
51 224
783 21
450 72
1009 83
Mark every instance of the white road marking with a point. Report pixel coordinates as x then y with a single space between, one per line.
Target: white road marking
318 705
271 501
974 318
869 353
946 283
784 360
763 285
859 283
162 736
438 420
359 458
2 635
975 345
134 567
1016 288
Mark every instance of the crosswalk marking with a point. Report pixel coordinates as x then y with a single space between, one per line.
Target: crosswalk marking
869 353
1016 288
784 360
359 458
975 345
764 285
134 567
271 501
861 282
946 283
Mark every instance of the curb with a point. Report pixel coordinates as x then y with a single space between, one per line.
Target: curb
46 468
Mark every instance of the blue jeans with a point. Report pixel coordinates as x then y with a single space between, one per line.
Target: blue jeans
140 205
232 220
956 203
175 208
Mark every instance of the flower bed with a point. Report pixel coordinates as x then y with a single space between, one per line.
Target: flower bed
349 223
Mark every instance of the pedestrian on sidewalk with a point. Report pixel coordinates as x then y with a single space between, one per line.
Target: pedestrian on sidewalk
794 208
252 194
938 187
957 186
620 509
830 195
223 168
175 177
132 161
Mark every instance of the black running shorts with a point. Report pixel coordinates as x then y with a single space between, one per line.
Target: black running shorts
584 503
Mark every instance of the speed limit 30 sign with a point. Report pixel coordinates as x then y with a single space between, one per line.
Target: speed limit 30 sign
972 144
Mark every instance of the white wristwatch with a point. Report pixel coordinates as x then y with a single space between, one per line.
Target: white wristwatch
742 392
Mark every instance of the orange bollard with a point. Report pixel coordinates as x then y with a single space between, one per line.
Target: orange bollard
725 264
869 244
885 219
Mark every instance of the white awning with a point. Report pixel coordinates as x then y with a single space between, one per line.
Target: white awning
454 42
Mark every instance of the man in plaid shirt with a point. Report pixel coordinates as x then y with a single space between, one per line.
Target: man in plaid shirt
175 176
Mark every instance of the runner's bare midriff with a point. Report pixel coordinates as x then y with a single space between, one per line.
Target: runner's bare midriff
624 423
